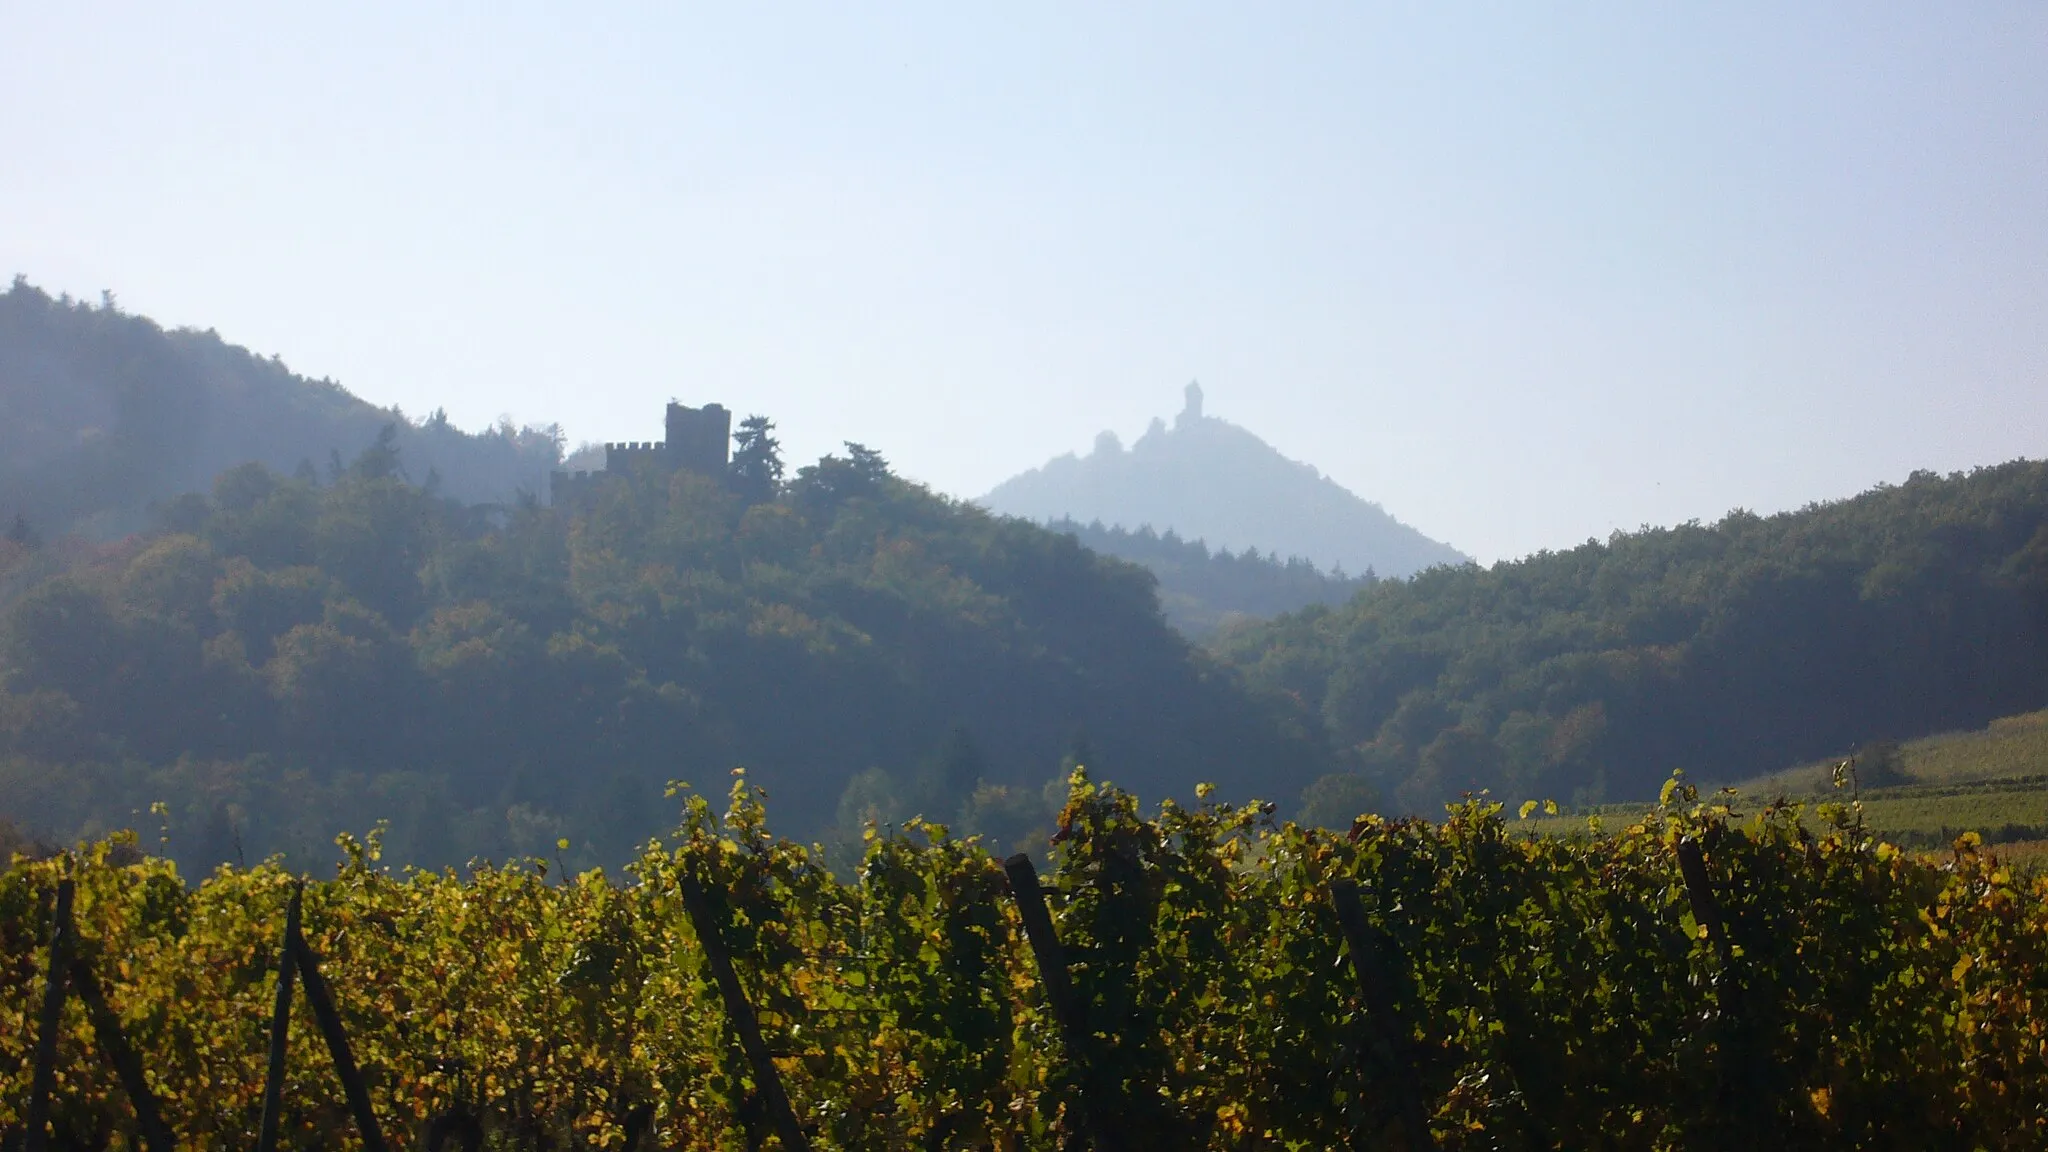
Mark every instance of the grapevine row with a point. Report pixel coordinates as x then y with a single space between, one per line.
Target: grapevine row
1216 979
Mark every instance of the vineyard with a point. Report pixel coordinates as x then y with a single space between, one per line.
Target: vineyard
1200 977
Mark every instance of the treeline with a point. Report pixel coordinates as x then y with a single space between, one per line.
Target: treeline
1203 591
285 657
1728 649
103 413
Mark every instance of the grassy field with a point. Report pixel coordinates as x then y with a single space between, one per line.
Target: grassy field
1932 815
1993 781
2012 748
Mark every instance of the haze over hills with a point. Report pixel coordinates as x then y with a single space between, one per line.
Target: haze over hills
103 413
281 655
1211 480
287 649
1204 591
284 658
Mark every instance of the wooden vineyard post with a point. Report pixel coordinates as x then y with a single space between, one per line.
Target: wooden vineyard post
106 1027
329 1020
1699 892
296 958
1738 1103
45 1073
280 1028
1059 989
1370 965
69 968
738 1010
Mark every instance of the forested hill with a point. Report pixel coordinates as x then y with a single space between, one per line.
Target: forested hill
1208 479
286 658
1727 650
103 413
1203 591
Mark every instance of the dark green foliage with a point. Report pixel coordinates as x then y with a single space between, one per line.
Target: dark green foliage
1337 800
756 466
1878 764
825 486
1728 650
104 414
20 533
295 659
1203 591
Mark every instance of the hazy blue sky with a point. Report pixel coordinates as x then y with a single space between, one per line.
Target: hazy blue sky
1523 274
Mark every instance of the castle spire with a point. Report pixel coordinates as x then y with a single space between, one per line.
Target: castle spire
1193 411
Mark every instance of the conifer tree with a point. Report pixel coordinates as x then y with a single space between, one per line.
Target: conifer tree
756 467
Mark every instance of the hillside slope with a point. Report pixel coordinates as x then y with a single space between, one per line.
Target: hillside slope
1210 480
1920 794
103 413
1725 650
290 659
1203 591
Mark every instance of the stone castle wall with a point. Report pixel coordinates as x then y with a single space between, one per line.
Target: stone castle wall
699 439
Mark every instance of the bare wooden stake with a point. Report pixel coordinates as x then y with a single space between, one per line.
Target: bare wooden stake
331 1030
280 1027
45 1072
1737 1095
1699 892
1067 1010
737 1009
1370 964
106 1026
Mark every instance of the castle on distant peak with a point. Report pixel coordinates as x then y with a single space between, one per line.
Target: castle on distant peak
699 439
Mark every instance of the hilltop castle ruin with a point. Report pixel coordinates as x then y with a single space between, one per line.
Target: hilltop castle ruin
699 439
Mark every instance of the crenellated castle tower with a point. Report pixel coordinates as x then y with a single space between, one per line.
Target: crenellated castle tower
698 439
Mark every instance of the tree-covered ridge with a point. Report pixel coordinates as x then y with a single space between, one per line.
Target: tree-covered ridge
103 413
1203 591
1725 649
285 658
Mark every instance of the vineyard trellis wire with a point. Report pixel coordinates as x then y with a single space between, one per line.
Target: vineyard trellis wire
1198 977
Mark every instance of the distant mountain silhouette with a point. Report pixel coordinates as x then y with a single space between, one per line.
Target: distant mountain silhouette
1210 480
103 413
